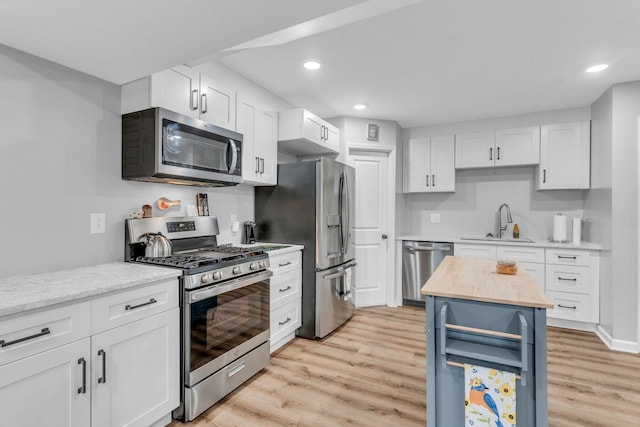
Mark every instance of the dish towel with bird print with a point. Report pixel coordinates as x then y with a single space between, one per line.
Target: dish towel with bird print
490 397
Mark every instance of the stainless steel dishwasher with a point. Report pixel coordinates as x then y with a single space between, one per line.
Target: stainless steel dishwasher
419 260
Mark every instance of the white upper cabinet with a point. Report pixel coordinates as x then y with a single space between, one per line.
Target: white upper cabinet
564 156
475 150
259 145
185 91
429 165
302 132
505 147
519 146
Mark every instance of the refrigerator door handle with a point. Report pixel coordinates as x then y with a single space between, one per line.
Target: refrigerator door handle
348 204
341 187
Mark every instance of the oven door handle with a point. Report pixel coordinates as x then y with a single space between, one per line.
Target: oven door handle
214 290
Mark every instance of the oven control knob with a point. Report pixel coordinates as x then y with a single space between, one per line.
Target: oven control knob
253 266
205 278
236 270
262 264
217 275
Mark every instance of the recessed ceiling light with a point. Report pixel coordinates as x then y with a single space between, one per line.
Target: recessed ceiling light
597 68
360 106
312 65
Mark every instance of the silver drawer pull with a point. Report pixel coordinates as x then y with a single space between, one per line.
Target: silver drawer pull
567 257
568 280
133 307
285 322
572 307
285 264
285 289
237 369
44 331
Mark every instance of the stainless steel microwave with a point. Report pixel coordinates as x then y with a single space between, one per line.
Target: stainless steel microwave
159 145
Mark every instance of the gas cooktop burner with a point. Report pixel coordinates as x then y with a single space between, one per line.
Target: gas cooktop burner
176 260
230 249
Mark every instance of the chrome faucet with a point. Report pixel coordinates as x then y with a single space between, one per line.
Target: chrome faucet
502 229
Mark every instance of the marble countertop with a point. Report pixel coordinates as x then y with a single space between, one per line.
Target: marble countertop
539 244
21 293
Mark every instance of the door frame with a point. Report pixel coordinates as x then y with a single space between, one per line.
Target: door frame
356 148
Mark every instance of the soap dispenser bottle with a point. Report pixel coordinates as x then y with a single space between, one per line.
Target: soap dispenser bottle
516 231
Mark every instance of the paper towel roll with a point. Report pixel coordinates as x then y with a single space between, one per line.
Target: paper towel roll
577 230
559 228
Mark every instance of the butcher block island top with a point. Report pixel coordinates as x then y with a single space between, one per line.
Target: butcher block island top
476 279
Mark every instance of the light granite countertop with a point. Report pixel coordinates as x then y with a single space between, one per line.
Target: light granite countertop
538 244
22 293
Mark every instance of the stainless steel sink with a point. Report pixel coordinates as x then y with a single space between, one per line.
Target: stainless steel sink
495 239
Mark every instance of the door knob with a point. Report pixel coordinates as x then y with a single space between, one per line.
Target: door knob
384 236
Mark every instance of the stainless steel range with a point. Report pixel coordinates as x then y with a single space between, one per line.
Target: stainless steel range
224 305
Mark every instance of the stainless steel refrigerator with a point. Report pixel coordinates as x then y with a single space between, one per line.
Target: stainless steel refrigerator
314 205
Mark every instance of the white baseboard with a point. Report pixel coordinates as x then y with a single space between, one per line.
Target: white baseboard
571 324
614 344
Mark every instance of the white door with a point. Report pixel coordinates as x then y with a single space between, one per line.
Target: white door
372 246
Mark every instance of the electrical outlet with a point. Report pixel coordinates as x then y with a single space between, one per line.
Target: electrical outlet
98 223
435 217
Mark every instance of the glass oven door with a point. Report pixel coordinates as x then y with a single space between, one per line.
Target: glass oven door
223 322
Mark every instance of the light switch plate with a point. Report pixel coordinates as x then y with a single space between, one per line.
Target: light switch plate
435 217
98 223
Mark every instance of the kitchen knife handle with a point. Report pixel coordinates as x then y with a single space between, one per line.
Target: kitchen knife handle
103 378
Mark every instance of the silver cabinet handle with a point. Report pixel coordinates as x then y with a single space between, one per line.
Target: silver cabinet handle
433 180
44 331
568 280
237 369
204 103
83 389
261 165
285 289
285 322
544 176
490 153
103 378
133 307
567 257
194 99
571 307
257 165
285 264
498 158
427 180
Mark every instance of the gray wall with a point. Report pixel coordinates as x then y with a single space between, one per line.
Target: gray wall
471 210
615 173
60 161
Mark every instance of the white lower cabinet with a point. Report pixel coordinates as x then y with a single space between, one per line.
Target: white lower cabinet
51 388
569 277
82 367
286 297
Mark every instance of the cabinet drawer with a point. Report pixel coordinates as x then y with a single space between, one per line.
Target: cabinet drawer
568 257
285 262
482 251
520 253
131 305
570 306
285 320
29 334
568 278
285 287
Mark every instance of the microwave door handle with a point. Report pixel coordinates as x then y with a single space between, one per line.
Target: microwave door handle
234 155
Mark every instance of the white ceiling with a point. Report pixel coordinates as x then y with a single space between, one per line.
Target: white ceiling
426 62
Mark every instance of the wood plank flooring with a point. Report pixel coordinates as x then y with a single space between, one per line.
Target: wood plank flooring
371 372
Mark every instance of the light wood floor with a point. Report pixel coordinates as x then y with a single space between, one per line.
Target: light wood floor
371 372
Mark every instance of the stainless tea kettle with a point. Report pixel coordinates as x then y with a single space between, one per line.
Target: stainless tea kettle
156 245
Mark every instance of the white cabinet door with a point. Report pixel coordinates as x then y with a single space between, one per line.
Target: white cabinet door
332 137
417 165
312 128
301 132
564 156
136 372
480 251
475 150
245 124
517 146
177 89
217 103
266 146
47 389
443 172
